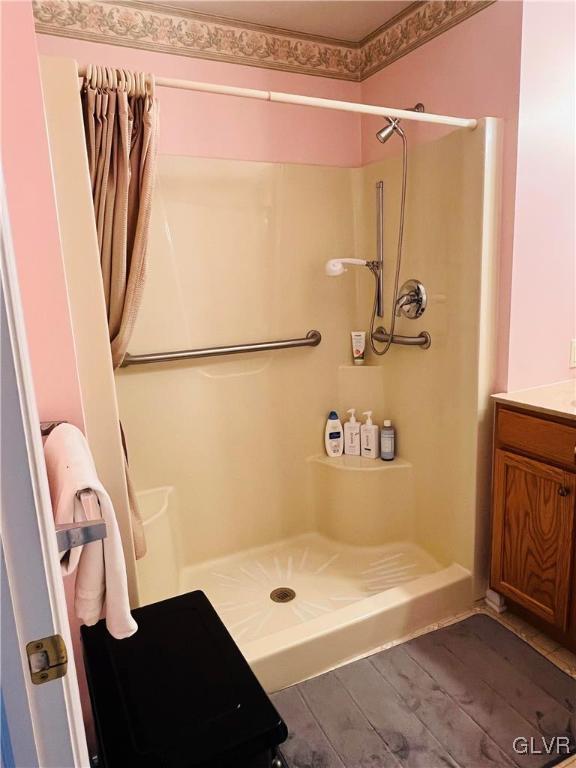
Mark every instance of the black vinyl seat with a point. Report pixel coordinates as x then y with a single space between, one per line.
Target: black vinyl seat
178 693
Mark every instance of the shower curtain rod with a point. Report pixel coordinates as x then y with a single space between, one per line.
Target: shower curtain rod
311 101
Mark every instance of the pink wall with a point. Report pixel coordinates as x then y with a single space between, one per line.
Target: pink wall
205 125
470 71
34 226
543 315
32 211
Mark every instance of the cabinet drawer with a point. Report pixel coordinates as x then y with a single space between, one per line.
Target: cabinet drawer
539 437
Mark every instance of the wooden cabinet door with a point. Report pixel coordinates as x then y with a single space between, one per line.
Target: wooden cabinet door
533 535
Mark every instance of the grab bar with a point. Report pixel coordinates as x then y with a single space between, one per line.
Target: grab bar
312 339
423 339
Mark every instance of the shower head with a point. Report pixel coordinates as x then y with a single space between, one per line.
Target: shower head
384 133
394 125
335 267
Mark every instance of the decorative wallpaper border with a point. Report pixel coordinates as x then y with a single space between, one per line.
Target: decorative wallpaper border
165 28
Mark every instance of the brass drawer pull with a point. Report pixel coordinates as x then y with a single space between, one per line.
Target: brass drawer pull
563 491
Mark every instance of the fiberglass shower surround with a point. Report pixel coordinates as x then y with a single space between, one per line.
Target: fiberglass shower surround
306 559
414 290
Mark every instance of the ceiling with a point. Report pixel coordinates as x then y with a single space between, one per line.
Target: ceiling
349 20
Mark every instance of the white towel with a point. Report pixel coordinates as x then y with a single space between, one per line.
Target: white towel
101 582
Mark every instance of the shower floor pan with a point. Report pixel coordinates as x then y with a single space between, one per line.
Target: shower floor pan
303 605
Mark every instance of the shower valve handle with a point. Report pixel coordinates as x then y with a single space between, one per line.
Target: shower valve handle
412 300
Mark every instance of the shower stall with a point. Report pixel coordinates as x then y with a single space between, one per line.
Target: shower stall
309 561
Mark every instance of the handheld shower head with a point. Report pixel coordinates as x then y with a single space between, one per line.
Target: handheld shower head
335 267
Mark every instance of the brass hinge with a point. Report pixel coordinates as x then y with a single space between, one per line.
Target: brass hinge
47 658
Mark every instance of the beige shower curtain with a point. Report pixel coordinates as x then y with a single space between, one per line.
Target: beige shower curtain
121 124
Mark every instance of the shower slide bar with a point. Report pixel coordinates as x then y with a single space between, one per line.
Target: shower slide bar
312 339
311 101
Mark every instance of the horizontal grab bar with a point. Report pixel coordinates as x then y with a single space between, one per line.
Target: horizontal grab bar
312 339
422 340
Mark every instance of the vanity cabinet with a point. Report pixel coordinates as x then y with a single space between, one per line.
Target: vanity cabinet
534 517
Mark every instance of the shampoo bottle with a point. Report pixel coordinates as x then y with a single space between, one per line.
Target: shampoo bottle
333 435
369 438
387 441
352 435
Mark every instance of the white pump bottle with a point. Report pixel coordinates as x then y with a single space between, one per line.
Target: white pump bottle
352 435
369 438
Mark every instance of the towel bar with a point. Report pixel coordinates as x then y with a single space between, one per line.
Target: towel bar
77 534
81 532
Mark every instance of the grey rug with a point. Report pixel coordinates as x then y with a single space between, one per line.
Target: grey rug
471 695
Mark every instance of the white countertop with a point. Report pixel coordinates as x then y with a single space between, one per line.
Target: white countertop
556 399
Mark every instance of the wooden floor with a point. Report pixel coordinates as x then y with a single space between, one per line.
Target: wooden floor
458 696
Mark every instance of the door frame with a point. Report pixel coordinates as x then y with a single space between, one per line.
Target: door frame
28 538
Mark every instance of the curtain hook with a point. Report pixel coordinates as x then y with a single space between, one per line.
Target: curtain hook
87 74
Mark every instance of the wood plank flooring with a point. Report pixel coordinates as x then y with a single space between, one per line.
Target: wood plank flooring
454 698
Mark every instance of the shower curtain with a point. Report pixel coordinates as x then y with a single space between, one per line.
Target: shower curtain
121 125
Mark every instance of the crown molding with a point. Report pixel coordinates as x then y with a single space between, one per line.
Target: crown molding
165 28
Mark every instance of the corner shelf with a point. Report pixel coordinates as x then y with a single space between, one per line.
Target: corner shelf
360 463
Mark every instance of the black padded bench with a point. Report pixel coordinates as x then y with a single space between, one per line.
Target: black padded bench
178 693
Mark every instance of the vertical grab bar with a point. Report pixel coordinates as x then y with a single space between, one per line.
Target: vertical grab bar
380 246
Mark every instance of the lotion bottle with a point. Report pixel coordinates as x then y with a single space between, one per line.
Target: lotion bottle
333 435
369 438
352 435
387 441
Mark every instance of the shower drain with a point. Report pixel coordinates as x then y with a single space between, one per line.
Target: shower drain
282 595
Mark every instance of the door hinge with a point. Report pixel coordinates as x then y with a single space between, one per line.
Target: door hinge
47 658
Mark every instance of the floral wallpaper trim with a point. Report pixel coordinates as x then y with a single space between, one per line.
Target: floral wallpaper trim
168 29
418 24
